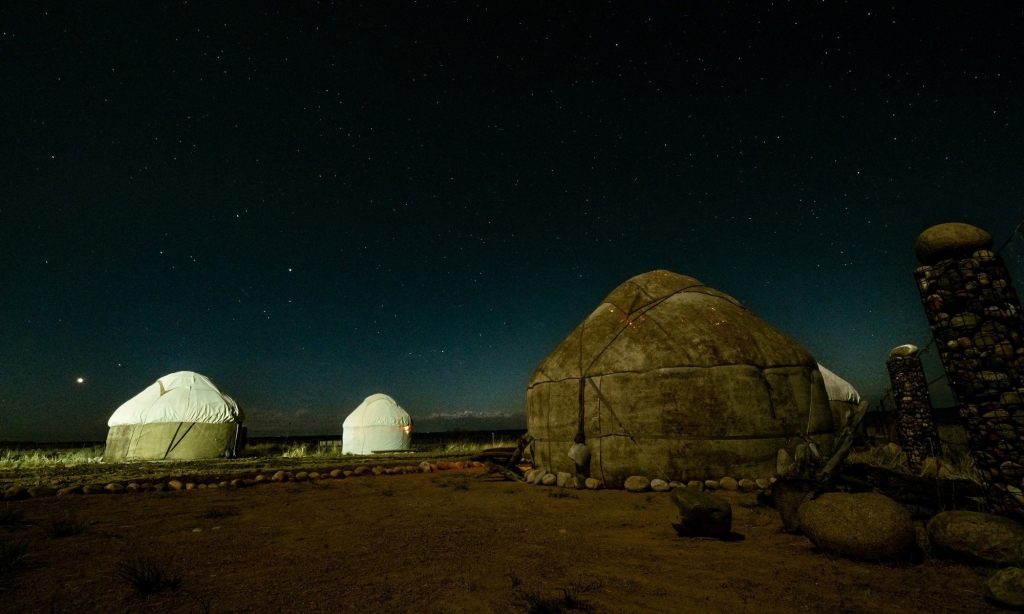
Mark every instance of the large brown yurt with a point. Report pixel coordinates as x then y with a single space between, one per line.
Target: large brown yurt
669 378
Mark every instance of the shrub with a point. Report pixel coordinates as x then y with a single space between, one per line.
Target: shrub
147 576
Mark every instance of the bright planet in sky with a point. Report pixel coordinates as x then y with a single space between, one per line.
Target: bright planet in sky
80 380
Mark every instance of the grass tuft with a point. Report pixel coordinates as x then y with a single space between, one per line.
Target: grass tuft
65 528
219 512
569 598
12 557
562 494
11 518
147 576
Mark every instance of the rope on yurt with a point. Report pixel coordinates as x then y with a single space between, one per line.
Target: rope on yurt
625 430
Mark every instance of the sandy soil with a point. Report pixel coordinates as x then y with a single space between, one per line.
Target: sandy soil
440 543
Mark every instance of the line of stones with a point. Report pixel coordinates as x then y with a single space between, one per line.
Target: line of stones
636 483
158 485
975 316
914 423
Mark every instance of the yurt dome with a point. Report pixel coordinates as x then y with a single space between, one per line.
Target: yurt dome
670 378
181 416
379 424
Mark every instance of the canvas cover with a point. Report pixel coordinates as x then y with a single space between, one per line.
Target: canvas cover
842 398
379 424
172 441
672 379
179 397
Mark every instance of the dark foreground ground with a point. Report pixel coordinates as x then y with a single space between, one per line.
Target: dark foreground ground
440 543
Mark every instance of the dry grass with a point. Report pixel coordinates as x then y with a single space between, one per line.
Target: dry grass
50 457
958 461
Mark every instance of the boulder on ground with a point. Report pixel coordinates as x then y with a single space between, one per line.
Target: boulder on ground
114 487
134 487
442 465
337 474
978 538
562 478
277 477
695 484
425 467
746 485
698 514
711 485
314 475
41 491
76 489
728 483
457 465
784 463
538 478
347 473
762 483
302 476
549 479
14 493
158 487
529 475
863 526
361 470
259 478
93 489
190 486
224 484
1006 588
576 482
593 483
637 483
236 483
175 485
659 485
674 484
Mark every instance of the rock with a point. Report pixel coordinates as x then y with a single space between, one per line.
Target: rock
361 470
711 485
158 487
198 486
289 476
562 478
953 240
637 483
864 526
695 484
746 485
223 485
190 486
41 491
763 484
261 478
425 467
1006 588
549 479
277 477
728 483
593 483
929 468
538 478
235 483
76 489
672 485
15 493
94 489
338 474
314 475
442 465
576 482
175 485
660 485
411 469
908 349
784 463
114 487
347 473
248 482
976 537
212 485
698 514
134 487
378 470
433 467
529 475
302 476
477 464
458 465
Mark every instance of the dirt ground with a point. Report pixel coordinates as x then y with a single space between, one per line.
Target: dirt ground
441 543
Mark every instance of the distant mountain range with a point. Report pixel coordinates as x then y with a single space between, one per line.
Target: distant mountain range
443 421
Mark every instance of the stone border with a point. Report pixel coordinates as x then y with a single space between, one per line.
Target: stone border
237 480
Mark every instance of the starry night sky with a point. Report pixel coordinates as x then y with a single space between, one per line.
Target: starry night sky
310 205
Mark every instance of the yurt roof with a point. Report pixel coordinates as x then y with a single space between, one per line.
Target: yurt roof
661 320
377 410
184 396
837 388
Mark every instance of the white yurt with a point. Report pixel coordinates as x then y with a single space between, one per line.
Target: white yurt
842 397
379 424
181 416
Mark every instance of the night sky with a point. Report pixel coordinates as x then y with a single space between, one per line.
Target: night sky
310 205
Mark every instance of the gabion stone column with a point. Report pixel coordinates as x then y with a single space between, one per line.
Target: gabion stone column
975 316
918 434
